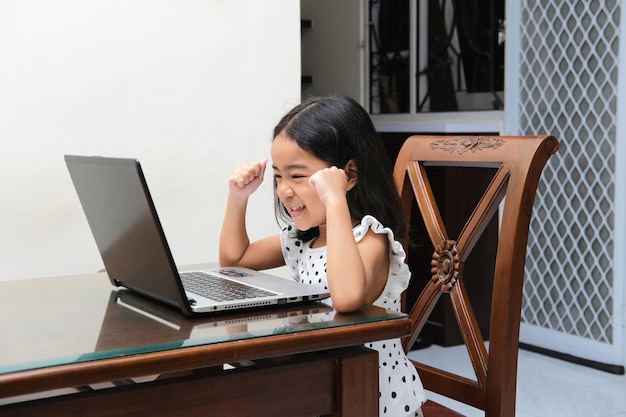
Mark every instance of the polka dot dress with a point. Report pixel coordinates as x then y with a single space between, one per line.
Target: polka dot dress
401 393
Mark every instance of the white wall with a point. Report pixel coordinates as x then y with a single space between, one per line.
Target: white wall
189 87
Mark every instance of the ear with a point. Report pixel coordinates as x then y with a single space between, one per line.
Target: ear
352 172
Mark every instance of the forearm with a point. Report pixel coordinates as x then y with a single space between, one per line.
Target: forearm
233 237
345 270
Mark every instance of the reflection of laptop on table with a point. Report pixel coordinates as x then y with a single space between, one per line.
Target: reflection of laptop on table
131 321
123 220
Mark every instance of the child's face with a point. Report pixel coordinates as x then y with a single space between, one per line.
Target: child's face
293 166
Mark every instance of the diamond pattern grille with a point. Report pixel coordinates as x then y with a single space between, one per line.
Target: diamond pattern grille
568 84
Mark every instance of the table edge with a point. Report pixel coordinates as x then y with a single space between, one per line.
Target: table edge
195 357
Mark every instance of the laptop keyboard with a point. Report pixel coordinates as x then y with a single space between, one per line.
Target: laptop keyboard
219 289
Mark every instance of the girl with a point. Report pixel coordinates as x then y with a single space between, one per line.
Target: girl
335 194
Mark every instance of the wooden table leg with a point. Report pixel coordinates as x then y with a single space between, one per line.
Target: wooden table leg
358 384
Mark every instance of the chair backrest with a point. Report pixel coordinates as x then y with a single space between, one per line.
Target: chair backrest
517 163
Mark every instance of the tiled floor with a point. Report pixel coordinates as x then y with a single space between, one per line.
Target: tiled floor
546 387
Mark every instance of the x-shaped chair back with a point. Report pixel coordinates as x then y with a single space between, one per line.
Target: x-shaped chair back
517 163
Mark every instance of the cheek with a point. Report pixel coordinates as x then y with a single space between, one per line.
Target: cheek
307 192
314 204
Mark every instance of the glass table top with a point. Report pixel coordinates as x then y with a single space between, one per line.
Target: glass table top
65 320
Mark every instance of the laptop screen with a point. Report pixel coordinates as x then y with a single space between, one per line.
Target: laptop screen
121 214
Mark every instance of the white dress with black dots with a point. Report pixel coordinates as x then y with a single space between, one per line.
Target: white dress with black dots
401 392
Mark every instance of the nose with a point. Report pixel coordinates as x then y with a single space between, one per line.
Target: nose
284 190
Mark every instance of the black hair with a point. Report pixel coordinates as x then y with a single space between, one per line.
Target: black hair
337 129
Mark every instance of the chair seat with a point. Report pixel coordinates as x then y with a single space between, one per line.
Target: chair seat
433 409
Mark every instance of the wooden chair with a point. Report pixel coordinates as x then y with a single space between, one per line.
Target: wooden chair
517 163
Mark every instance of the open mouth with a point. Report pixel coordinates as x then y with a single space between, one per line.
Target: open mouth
295 210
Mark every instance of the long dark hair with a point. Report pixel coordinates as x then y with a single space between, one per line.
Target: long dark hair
337 129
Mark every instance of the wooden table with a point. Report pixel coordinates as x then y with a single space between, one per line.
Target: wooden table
77 346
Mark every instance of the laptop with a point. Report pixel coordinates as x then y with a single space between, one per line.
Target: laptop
123 220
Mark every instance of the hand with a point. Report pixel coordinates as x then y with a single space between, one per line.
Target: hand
330 183
246 178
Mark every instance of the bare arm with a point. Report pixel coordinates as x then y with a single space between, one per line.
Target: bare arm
356 272
235 247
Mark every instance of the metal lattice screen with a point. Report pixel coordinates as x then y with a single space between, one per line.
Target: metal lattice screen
568 85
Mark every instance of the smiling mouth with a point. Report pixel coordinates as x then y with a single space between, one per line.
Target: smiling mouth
295 209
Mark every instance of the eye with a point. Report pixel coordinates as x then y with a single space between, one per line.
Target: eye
299 178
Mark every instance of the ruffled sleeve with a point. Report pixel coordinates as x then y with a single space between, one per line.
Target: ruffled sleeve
399 274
